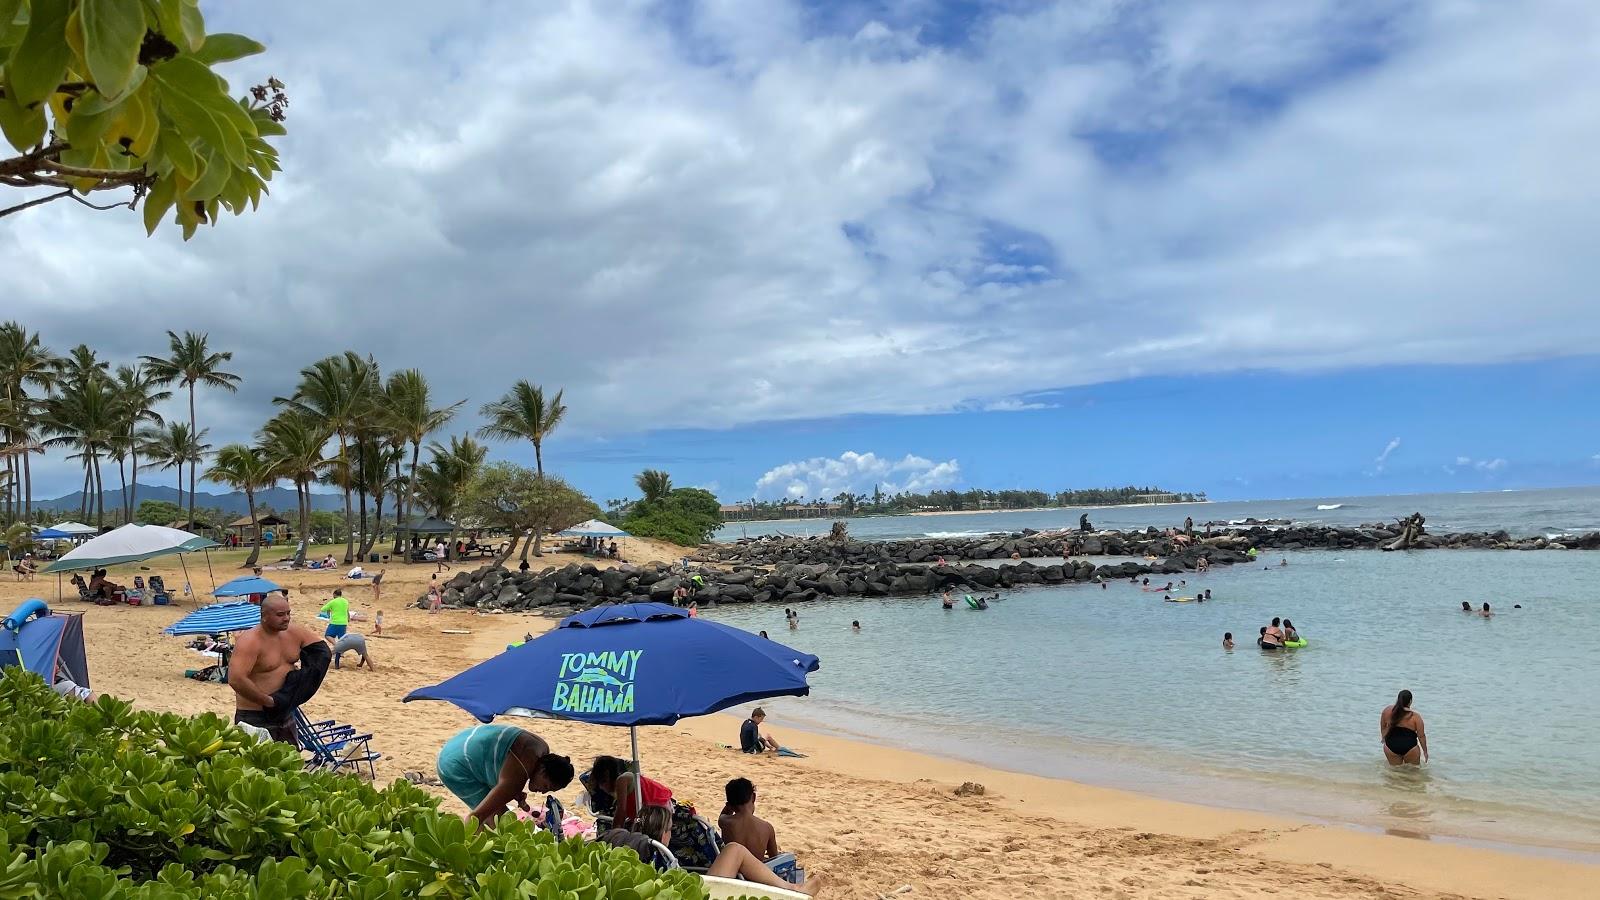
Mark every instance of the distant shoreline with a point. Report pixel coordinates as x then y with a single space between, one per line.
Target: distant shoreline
967 512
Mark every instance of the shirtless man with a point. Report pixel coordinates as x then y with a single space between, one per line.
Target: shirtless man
262 659
740 824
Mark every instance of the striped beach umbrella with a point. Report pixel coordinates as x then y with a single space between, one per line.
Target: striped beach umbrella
217 618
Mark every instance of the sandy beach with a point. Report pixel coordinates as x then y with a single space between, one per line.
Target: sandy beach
872 818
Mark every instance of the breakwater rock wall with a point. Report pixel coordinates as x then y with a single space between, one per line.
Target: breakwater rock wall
791 571
1145 543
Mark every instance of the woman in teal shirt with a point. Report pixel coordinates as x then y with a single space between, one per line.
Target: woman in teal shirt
488 766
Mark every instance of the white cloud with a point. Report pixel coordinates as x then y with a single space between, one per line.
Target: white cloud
1383 458
725 216
852 472
1016 404
1481 465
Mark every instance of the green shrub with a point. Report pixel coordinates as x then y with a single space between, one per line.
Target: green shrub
685 516
99 800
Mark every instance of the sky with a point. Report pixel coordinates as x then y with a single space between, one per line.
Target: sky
1252 248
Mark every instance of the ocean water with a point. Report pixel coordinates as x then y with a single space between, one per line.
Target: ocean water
1114 686
1519 512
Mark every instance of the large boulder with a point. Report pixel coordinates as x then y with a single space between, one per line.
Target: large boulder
614 583
506 595
662 590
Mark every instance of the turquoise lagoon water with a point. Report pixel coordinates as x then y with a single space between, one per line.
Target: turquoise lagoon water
1113 686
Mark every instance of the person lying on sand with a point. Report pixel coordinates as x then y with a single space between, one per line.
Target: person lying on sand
735 861
489 766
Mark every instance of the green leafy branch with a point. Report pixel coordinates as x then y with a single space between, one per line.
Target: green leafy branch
99 95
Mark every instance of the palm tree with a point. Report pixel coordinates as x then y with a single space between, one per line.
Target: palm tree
378 458
24 362
83 415
523 414
654 484
293 445
190 362
136 396
412 418
174 448
247 469
444 479
337 391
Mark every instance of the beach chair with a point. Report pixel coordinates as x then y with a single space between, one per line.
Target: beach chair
136 593
158 591
334 746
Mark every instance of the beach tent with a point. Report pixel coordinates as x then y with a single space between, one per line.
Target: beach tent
130 543
245 585
45 642
593 528
628 664
51 534
75 529
218 618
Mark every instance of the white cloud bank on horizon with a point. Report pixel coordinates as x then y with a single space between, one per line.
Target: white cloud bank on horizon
717 214
823 478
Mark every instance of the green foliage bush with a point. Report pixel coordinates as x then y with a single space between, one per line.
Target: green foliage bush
685 516
99 800
158 512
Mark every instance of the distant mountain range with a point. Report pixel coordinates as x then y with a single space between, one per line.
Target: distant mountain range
280 499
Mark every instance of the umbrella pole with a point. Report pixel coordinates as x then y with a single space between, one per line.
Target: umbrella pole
186 585
638 776
211 573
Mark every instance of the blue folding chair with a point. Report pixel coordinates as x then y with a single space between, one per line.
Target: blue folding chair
334 746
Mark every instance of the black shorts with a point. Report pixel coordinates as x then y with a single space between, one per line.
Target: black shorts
279 729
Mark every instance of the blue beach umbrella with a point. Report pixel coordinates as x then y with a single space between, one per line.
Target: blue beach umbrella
245 585
217 618
628 664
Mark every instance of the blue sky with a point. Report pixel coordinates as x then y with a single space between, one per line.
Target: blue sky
1248 435
1240 247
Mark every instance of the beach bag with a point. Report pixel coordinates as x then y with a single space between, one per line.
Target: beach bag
694 840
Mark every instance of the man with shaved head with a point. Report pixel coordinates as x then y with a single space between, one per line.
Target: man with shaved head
262 660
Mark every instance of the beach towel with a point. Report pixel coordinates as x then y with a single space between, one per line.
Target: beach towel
301 684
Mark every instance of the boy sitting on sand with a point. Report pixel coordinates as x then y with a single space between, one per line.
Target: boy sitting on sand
751 740
739 823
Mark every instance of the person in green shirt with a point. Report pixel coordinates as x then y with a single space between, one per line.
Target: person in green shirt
338 610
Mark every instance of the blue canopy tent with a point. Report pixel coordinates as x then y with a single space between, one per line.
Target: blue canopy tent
245 585
45 643
51 534
218 618
628 664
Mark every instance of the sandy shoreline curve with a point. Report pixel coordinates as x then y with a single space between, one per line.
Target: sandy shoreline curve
872 817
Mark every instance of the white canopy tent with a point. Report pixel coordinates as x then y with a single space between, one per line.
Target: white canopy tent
131 543
596 529
76 529
593 528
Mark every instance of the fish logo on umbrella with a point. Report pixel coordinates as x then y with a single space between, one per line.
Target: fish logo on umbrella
596 683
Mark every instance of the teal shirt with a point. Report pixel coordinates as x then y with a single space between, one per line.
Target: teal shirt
470 762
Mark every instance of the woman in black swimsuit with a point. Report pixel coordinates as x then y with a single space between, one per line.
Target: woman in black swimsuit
1404 738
